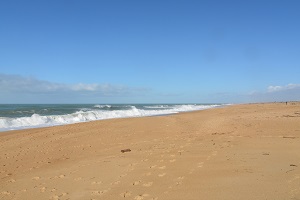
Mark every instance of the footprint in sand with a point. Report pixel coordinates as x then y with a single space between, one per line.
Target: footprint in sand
296 177
140 197
125 194
148 184
56 197
5 193
116 183
200 164
161 175
63 194
153 166
178 183
98 193
130 169
11 181
122 175
78 179
96 182
36 178
148 174
136 182
43 189
61 176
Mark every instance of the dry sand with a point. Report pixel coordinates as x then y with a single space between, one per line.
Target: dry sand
236 152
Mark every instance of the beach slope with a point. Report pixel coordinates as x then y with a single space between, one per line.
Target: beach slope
236 152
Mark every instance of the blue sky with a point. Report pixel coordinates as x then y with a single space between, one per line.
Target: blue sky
154 51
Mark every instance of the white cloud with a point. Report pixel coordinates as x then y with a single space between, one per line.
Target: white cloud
17 87
290 86
85 87
290 92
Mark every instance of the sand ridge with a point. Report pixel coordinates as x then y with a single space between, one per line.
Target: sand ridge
235 152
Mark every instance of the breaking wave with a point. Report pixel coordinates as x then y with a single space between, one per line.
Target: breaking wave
100 112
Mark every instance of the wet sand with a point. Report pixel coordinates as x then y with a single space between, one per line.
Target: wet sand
236 152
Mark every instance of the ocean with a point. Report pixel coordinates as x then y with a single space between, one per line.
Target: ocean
23 116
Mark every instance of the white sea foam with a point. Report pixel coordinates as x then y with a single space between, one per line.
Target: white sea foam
85 115
157 106
102 106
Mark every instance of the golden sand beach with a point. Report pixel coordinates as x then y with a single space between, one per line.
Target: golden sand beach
235 152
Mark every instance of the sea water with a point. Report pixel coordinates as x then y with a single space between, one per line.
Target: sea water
22 116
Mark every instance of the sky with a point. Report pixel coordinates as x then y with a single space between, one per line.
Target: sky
158 51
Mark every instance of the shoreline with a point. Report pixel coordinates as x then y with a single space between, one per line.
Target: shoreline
150 115
241 151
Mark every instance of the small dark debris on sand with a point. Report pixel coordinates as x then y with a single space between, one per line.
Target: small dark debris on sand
290 137
125 150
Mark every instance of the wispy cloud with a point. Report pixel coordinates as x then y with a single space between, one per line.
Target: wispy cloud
15 85
277 88
289 92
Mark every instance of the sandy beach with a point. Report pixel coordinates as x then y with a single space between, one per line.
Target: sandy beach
235 152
